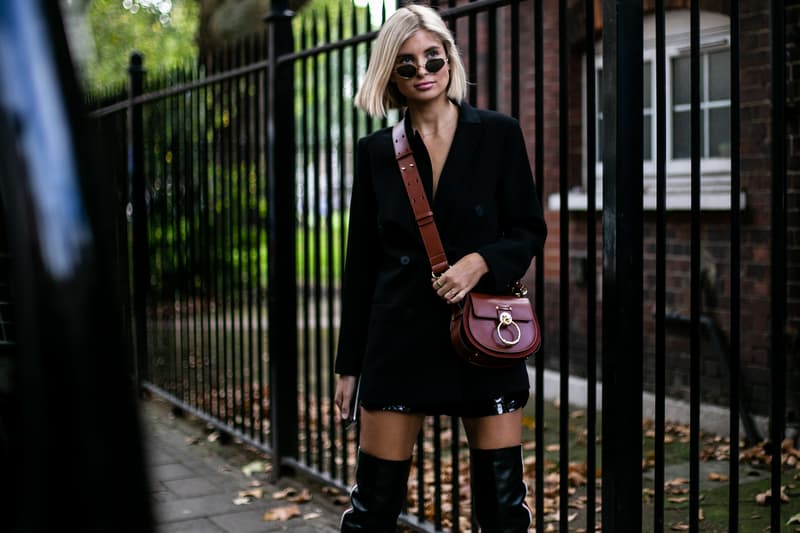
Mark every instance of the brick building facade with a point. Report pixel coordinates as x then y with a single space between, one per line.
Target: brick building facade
715 246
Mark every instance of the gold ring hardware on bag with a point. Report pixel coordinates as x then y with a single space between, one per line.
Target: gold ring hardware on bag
507 321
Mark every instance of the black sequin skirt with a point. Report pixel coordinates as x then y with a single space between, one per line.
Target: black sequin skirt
505 403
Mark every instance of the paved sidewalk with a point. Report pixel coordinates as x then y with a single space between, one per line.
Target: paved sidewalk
194 482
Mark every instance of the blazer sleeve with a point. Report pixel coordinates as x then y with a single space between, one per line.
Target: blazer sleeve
522 226
358 283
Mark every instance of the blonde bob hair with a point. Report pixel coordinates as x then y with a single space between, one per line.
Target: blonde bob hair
377 93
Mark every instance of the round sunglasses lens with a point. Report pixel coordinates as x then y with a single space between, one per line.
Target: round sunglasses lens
434 65
406 71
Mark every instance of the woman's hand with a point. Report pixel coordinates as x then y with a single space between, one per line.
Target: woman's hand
343 398
460 278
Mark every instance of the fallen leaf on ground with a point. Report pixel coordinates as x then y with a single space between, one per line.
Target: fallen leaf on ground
303 497
256 494
285 493
682 499
311 516
716 476
252 468
763 498
794 519
341 499
679 527
281 513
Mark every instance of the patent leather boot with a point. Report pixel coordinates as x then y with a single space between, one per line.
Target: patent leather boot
498 492
378 495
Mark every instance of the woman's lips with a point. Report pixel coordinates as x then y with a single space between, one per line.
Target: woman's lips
423 86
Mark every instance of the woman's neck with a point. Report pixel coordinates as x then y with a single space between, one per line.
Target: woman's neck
428 119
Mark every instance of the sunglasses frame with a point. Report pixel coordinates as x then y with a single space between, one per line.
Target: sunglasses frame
416 67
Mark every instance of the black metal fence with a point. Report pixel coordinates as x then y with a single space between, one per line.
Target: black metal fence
232 245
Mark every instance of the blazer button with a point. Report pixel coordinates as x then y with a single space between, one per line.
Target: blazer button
405 260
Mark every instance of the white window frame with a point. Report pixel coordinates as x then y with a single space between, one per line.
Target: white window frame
715 172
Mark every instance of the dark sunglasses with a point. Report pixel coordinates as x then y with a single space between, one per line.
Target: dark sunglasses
409 71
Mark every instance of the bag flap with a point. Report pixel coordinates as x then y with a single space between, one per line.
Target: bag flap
485 306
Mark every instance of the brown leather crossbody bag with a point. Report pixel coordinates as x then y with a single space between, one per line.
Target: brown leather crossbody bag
486 330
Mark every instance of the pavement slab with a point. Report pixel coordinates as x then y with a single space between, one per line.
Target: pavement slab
194 481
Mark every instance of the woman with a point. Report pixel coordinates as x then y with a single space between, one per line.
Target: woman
395 319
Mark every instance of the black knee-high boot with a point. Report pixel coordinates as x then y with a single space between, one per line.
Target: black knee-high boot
498 491
377 498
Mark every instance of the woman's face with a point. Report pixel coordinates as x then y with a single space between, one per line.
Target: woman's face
421 51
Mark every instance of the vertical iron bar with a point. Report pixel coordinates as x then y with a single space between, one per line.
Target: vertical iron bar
181 179
282 267
251 203
219 254
591 267
563 236
492 59
141 255
735 334
437 472
538 38
342 198
174 220
306 256
242 175
622 265
206 214
472 36
227 183
661 258
261 200
777 252
228 207
455 475
695 295
421 474
330 346
317 251
195 268
258 139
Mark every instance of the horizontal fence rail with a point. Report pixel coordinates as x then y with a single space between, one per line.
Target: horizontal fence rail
236 192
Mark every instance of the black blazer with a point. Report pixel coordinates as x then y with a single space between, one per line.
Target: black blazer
394 328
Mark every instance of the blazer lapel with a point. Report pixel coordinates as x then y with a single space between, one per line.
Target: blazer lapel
460 158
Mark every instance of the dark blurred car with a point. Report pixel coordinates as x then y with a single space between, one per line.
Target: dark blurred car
70 449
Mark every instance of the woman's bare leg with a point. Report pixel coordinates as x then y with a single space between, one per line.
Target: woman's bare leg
389 435
496 431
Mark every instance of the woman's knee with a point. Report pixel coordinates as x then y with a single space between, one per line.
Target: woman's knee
389 435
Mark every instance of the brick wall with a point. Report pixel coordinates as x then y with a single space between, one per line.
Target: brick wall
715 227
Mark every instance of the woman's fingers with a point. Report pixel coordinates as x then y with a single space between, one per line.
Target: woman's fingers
459 279
344 395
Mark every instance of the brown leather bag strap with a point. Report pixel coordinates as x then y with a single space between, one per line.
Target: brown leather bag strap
419 202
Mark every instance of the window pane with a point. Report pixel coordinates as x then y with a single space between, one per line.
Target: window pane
681 74
647 137
681 135
647 98
719 132
719 87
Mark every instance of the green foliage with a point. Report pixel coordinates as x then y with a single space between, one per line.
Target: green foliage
116 32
